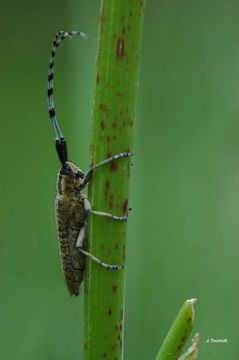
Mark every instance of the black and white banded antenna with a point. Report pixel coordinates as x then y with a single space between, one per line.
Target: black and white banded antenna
60 141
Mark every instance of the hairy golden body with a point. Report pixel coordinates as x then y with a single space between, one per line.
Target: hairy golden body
70 219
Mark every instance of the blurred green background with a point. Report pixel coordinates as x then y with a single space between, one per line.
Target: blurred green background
183 240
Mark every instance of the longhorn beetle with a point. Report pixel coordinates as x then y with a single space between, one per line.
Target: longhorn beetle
72 207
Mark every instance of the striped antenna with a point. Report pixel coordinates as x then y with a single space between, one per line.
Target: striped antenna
61 35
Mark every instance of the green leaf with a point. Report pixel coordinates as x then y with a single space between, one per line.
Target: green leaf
178 333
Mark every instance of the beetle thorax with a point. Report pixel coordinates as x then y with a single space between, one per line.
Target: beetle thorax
69 179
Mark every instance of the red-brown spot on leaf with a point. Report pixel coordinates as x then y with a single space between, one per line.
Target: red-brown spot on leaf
97 79
104 355
120 48
118 337
109 311
85 345
113 166
123 30
125 206
107 184
103 108
130 122
120 328
102 124
111 202
123 251
114 288
116 246
179 347
183 338
114 123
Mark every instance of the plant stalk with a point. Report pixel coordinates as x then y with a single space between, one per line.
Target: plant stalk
120 34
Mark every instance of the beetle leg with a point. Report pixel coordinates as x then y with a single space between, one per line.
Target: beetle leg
80 243
105 214
81 237
87 207
98 261
89 172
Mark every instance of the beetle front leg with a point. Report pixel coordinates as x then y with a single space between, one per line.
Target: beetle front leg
89 172
87 207
80 244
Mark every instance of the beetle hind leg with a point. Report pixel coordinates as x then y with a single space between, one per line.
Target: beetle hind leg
98 261
80 243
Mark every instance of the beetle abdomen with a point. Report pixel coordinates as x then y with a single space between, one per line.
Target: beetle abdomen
70 218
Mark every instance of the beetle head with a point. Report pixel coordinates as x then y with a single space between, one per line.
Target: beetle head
71 170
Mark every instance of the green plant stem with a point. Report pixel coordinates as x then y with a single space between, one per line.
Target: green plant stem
118 53
178 333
